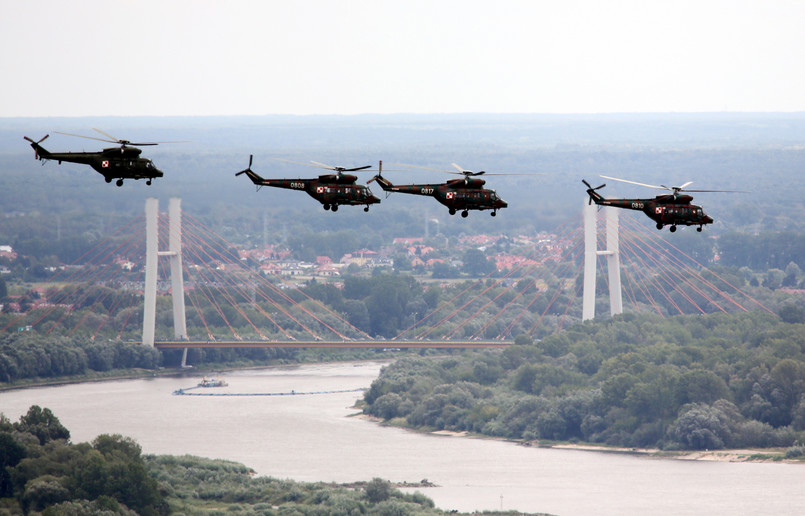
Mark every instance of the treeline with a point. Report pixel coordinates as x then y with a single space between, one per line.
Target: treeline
29 355
685 382
41 472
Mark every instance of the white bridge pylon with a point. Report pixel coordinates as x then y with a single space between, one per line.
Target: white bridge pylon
152 254
591 254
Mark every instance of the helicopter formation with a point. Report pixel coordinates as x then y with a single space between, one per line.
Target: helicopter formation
340 187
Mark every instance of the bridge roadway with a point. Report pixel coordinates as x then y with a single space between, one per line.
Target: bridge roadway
373 344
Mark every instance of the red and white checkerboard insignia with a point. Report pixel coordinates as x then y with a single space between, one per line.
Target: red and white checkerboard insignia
658 210
320 189
105 163
450 195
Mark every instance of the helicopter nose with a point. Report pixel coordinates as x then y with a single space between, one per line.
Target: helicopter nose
374 199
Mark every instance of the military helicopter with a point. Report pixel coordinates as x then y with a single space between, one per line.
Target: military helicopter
672 209
331 190
119 163
457 194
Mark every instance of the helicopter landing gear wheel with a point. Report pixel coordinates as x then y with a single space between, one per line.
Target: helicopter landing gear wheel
465 213
452 211
673 228
148 182
494 213
108 179
334 208
366 208
699 229
659 226
326 206
119 182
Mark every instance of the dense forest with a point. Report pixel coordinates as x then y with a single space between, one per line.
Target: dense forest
42 472
685 382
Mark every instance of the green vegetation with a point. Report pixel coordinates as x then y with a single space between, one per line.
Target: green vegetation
686 382
29 355
41 472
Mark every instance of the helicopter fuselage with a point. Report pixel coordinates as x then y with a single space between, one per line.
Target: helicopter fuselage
666 210
112 163
331 190
457 194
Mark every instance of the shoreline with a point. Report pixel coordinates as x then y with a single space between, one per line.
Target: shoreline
135 374
771 455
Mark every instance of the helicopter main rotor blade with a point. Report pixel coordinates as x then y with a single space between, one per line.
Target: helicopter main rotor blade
87 137
139 144
323 165
719 191
340 169
311 164
294 162
424 168
355 169
107 135
115 140
636 183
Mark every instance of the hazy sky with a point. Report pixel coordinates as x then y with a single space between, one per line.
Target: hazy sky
230 57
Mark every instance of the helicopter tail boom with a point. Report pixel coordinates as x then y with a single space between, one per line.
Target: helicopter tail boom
384 183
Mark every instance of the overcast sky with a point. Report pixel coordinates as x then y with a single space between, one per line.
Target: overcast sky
233 57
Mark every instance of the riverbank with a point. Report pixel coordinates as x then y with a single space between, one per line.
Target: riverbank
746 455
755 455
163 372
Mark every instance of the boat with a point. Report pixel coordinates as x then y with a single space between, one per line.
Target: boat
212 382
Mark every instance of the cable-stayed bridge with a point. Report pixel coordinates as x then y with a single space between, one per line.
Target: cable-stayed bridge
229 300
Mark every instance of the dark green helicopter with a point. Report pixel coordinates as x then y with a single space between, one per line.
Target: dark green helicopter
119 163
331 190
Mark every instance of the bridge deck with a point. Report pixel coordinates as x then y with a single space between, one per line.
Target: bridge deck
372 344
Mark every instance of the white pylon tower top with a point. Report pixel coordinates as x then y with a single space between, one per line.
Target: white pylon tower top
591 254
152 254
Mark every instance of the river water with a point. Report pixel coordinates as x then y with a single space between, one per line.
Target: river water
310 437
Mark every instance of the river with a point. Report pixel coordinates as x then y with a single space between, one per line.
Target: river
310 437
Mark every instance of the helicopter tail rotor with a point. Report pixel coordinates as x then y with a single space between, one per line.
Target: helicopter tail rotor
592 192
248 169
36 146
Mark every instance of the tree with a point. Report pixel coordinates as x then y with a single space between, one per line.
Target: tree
792 314
476 263
43 424
378 490
699 427
11 453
